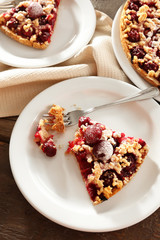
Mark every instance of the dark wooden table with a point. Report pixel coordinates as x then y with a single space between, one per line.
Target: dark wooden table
20 221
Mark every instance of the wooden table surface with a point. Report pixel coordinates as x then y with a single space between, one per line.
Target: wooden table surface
20 221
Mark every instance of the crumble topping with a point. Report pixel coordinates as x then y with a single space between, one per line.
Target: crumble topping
140 37
57 112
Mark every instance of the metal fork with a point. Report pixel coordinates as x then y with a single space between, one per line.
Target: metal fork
7 5
71 118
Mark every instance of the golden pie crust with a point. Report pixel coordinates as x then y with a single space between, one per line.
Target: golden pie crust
22 40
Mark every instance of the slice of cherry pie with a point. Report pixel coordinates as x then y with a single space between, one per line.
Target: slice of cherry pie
107 159
140 37
31 22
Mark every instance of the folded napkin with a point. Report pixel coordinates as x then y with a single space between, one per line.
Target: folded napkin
18 86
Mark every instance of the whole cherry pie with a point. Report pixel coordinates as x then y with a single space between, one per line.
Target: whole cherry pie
107 159
31 22
140 37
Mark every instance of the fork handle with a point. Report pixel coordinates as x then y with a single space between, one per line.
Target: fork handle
141 95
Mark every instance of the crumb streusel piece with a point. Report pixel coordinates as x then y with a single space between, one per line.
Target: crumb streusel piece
43 136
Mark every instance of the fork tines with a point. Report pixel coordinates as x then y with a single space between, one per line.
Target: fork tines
46 115
66 119
6 5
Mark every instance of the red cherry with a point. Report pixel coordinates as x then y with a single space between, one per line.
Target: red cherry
103 150
49 148
92 134
84 121
35 10
133 35
12 23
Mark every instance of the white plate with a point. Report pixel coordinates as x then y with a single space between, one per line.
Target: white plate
74 28
121 57
54 186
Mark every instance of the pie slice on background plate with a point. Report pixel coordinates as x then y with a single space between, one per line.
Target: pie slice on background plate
107 159
31 23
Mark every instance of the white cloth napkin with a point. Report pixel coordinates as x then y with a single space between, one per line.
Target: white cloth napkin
18 86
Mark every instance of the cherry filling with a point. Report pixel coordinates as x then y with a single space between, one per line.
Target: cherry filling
84 165
137 51
151 4
43 20
49 148
142 142
77 141
38 138
134 5
133 35
12 23
150 14
51 20
44 34
119 139
21 8
148 66
155 35
57 3
84 121
92 190
86 172
82 160
129 170
107 177
146 31
134 16
47 145
27 33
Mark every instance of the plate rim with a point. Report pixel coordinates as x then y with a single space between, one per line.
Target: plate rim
20 187
25 62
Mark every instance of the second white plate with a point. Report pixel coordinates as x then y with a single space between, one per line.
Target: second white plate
54 186
121 57
74 28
